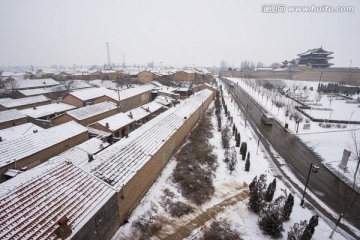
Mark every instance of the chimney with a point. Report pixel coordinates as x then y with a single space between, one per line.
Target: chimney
64 230
34 106
90 157
107 125
130 115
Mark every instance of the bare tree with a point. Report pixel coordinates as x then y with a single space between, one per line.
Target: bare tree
10 87
355 149
349 197
68 84
288 106
348 200
331 98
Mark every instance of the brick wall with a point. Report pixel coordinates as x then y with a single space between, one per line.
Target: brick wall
13 123
131 194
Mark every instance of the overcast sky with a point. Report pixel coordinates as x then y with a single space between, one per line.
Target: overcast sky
174 32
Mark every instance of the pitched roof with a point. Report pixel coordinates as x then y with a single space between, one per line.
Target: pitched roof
93 93
2 100
25 101
79 154
91 110
47 110
19 130
32 209
31 144
119 163
35 83
10 115
90 93
116 121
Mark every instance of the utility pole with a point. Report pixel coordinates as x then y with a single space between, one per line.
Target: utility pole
118 91
108 55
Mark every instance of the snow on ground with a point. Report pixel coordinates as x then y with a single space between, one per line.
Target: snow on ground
226 186
329 143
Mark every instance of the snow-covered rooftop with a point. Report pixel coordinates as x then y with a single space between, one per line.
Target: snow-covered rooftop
3 100
78 84
10 115
25 101
35 83
98 132
116 121
18 131
47 110
88 94
79 154
91 110
120 120
152 106
138 113
164 100
31 144
119 163
48 193
131 92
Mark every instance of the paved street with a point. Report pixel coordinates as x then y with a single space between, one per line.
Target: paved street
326 186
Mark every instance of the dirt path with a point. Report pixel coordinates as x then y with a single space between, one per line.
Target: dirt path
200 220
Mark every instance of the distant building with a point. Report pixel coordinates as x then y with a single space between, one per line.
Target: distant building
145 76
316 58
185 75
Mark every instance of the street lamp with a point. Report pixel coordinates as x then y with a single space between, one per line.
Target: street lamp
313 168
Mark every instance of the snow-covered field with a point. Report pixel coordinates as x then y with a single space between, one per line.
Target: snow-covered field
329 143
228 187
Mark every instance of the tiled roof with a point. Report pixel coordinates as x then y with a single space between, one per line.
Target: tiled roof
47 110
47 193
119 163
19 131
25 101
31 144
10 115
91 110
79 154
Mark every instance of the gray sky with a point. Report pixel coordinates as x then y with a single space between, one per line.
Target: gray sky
175 32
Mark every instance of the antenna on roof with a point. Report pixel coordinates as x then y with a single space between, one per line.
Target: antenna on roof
108 54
